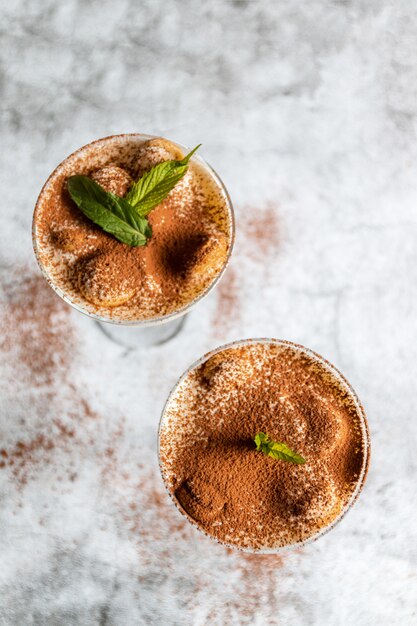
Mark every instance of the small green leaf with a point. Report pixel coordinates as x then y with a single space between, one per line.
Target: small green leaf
112 213
276 449
260 438
155 185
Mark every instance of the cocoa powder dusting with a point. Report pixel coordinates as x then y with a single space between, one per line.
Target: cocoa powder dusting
37 349
211 465
228 303
33 320
261 233
257 242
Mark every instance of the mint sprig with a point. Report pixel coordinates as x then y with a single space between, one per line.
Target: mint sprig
125 218
276 450
112 213
155 185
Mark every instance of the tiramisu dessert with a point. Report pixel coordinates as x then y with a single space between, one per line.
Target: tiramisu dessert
263 444
131 228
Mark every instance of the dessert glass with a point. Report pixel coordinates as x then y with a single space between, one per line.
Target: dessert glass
146 332
363 426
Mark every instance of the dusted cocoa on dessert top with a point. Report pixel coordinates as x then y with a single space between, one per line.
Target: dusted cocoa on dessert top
188 248
238 494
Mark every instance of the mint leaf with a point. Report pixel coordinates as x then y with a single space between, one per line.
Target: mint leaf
155 185
276 450
260 438
112 213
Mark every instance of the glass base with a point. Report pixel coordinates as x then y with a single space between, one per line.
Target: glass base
137 337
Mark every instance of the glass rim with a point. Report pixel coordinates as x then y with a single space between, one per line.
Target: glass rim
364 430
153 321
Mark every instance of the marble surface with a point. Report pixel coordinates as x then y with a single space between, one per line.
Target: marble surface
308 110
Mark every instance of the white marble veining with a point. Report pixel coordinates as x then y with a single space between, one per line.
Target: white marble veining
308 111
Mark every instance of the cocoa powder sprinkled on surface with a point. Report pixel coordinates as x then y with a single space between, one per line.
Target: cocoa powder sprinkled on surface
42 410
213 470
261 233
258 240
36 331
228 303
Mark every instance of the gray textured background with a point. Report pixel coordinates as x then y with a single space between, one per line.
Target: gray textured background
308 111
